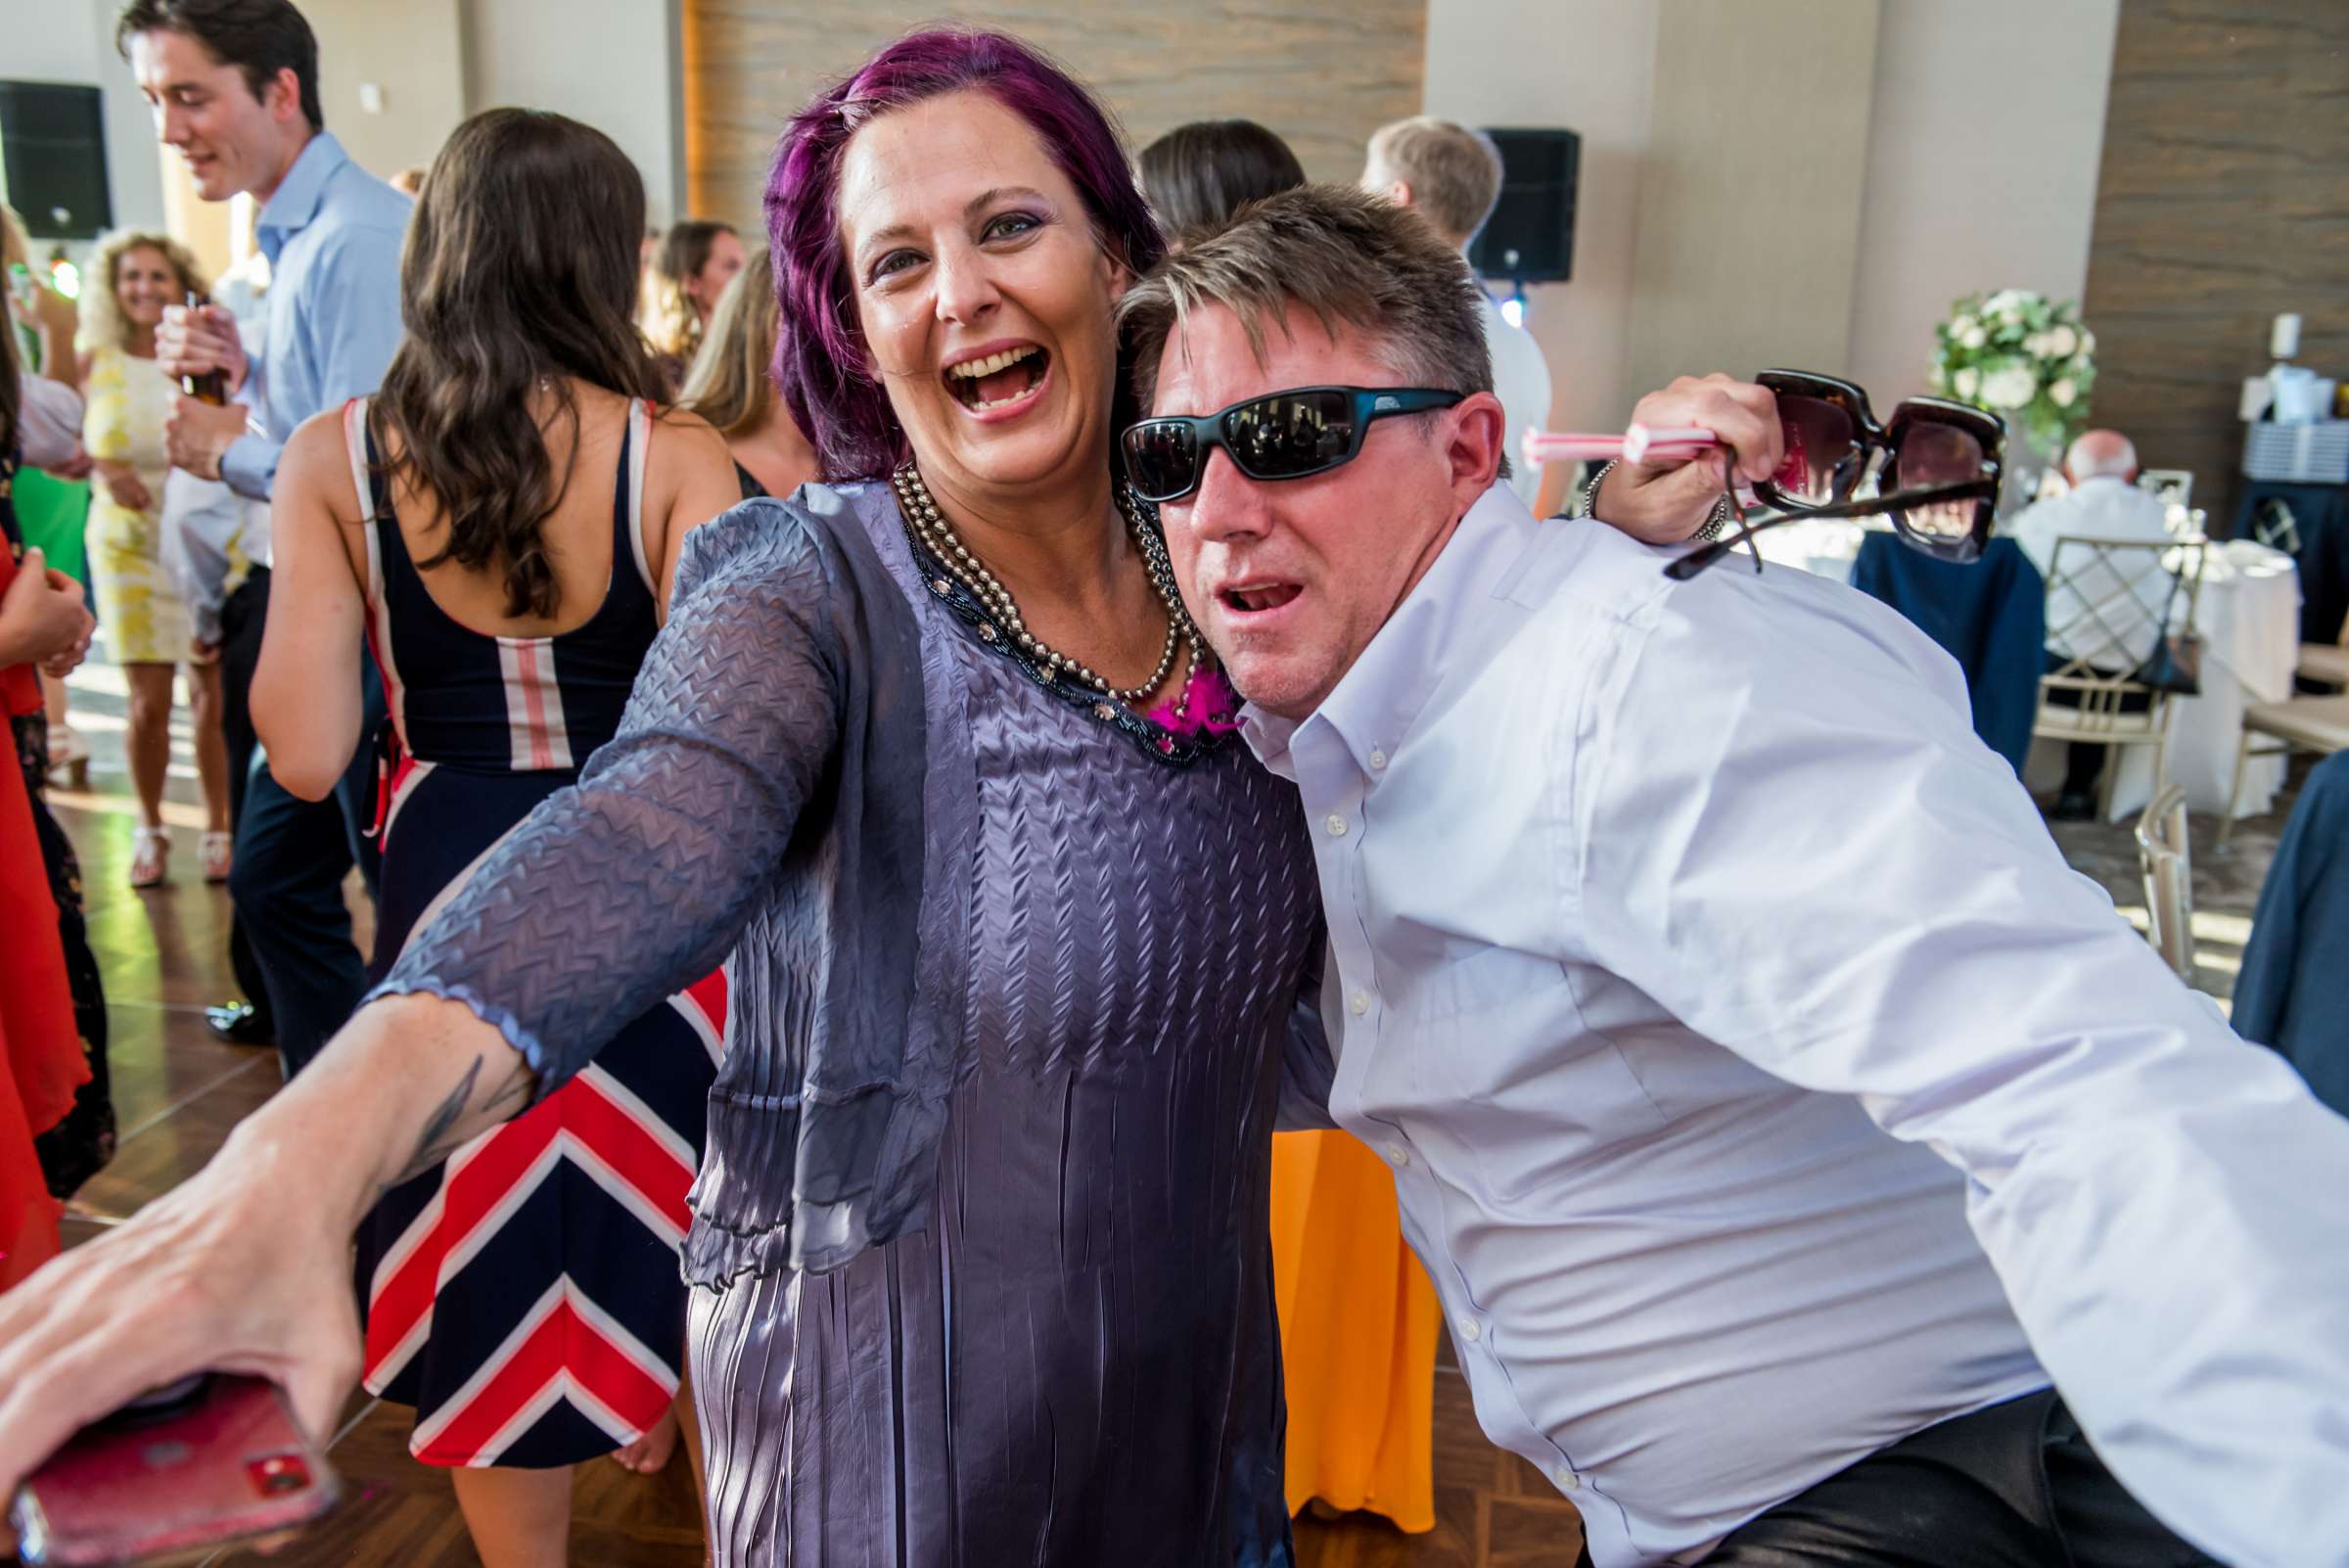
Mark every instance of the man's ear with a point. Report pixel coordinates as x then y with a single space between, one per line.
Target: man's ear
283 97
1479 436
1400 194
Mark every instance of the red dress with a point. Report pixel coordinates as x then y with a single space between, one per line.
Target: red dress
40 1047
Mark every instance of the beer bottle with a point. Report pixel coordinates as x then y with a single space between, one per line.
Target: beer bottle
213 386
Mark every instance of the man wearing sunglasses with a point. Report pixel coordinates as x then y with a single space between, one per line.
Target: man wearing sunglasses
1810 1164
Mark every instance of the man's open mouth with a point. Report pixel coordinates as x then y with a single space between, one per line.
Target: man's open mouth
1003 376
1256 597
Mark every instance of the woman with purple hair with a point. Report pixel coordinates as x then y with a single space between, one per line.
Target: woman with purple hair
1017 942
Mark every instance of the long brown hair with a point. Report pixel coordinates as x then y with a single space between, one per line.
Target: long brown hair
520 270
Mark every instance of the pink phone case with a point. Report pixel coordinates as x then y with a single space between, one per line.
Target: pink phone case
227 1465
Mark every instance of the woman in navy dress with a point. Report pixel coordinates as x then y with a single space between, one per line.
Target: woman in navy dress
501 519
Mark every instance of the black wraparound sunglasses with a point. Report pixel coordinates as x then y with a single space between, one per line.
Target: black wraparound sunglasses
1280 436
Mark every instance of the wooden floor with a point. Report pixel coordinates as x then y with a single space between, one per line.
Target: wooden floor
178 1092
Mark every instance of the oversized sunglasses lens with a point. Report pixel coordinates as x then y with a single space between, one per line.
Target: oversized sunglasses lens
1931 456
1822 453
1290 434
1162 458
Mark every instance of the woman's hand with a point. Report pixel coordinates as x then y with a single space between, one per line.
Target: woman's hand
245 1266
124 486
42 618
238 1269
1664 500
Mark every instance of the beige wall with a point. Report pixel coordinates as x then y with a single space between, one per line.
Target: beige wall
1981 167
1981 134
412 54
1588 66
1749 220
613 63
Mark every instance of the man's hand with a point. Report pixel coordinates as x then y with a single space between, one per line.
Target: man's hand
196 342
198 434
1664 500
201 651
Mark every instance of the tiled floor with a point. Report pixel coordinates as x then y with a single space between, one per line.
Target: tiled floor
178 1093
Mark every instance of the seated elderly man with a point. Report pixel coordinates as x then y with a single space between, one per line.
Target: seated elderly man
1813 1167
2103 503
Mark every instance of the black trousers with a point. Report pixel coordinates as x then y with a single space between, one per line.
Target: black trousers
2014 1486
241 615
291 859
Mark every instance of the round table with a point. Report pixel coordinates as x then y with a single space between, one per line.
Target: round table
2249 619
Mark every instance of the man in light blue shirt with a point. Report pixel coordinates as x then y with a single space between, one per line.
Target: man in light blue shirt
1810 1164
234 86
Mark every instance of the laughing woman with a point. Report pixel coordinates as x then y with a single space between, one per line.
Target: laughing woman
979 1243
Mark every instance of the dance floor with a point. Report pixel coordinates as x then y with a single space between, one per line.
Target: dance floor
178 1093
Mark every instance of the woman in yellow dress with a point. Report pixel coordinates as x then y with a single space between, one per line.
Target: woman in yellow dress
132 278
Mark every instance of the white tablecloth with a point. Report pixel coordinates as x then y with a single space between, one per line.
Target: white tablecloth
2249 619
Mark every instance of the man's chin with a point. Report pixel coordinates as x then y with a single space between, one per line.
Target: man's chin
1274 684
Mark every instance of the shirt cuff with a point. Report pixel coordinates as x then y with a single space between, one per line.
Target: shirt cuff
250 466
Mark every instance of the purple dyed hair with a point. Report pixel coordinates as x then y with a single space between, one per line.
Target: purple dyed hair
819 350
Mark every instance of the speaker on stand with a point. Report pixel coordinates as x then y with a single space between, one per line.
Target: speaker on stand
53 149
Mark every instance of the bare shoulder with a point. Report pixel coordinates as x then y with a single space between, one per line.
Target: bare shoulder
686 437
316 466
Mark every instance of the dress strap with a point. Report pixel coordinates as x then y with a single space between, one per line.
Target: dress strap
357 445
630 517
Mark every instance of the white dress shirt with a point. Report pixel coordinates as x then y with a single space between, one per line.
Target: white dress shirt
1521 381
1759 1084
2128 593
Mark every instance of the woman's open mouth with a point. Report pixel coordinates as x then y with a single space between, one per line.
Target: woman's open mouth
999 380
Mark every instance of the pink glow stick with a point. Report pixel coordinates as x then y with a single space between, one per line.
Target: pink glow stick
1552 446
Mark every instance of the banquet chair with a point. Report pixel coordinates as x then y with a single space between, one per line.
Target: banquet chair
2165 858
2325 664
2112 596
2318 724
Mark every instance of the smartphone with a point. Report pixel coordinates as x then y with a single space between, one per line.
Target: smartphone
211 1461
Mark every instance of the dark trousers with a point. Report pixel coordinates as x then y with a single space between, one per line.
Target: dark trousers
2014 1486
291 859
241 619
2084 761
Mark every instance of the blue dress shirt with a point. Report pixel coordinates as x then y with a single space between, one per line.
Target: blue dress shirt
333 234
1762 1087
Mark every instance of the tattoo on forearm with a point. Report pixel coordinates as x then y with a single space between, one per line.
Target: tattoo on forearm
439 1139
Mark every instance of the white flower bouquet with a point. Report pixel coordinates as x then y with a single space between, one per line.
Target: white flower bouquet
2022 355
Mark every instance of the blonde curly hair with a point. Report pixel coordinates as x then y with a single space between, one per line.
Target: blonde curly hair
103 325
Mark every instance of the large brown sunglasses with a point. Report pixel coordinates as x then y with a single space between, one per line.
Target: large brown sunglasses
1936 466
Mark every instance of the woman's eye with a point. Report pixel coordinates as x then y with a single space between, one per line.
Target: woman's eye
1010 226
894 262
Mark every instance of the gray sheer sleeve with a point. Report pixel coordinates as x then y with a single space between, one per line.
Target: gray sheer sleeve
1307 1065
634 883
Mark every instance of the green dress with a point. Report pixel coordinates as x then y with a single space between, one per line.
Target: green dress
50 513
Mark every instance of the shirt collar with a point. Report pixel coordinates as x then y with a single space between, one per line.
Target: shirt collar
298 195
1376 701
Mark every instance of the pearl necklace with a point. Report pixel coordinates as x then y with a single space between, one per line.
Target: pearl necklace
938 539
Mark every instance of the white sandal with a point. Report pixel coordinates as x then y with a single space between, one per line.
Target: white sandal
218 852
150 857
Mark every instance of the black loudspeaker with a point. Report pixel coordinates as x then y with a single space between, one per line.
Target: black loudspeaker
53 139
1530 236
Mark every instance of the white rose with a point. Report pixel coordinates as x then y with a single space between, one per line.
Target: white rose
2088 342
2004 299
2011 316
2011 387
2062 342
1961 325
2062 394
1973 337
1967 383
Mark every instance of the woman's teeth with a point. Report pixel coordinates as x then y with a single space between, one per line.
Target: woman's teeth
1000 378
973 369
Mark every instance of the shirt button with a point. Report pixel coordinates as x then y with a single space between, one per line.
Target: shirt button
1379 760
1400 1155
1471 1330
1357 1004
1566 1477
1336 825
